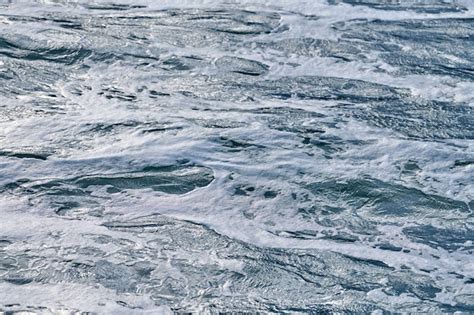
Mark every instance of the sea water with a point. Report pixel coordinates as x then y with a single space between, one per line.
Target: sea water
299 156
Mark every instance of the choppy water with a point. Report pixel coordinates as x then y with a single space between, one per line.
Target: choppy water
239 156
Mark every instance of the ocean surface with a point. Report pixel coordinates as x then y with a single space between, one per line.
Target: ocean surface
298 156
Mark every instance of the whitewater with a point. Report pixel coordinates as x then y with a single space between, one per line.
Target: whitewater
205 156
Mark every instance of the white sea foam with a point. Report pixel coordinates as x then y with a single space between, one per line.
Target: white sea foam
108 118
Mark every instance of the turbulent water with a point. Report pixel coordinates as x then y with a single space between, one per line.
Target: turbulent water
242 156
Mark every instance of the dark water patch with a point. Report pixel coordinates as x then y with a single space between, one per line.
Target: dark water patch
237 22
371 262
5 242
176 64
135 56
232 145
376 200
304 234
463 305
235 88
422 46
242 190
390 247
116 93
18 281
241 66
104 128
450 239
422 119
410 167
113 7
162 129
421 290
313 47
155 94
116 276
418 46
24 155
27 78
270 194
28 49
331 145
304 123
79 196
219 123
338 237
463 163
418 6
285 111
328 88
71 25
177 180
190 28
